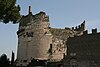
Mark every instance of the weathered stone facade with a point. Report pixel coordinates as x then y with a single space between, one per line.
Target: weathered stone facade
37 40
84 50
34 38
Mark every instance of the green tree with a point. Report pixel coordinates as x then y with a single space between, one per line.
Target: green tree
12 58
9 11
4 62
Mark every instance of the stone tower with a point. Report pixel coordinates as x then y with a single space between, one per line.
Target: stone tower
34 38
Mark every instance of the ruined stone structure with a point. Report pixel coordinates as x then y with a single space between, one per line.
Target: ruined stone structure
84 50
37 40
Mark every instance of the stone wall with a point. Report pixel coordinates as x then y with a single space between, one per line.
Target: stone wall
36 40
59 47
85 49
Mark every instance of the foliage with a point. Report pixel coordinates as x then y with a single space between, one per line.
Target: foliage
9 11
50 51
4 62
12 58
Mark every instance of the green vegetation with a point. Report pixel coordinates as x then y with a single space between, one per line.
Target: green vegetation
9 11
4 61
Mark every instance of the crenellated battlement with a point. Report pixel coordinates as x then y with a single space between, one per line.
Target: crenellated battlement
80 27
41 16
33 18
30 18
94 31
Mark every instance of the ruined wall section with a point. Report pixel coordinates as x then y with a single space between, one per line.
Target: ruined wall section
59 40
37 40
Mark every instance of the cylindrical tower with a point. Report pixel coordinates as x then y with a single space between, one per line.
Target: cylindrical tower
34 38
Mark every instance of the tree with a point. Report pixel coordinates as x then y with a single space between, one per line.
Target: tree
4 62
9 11
12 58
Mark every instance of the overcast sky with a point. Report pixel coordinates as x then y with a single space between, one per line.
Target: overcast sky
62 13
